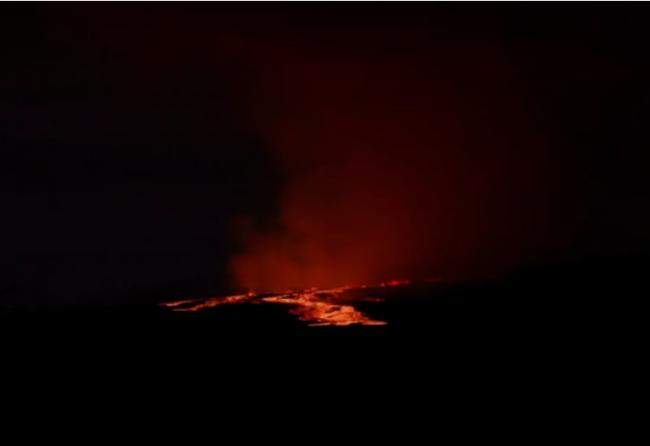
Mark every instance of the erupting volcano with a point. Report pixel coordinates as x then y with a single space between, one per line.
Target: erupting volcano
316 307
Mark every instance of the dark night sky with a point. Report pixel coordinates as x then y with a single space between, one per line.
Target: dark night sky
141 142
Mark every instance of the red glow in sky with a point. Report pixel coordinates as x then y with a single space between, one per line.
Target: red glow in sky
398 163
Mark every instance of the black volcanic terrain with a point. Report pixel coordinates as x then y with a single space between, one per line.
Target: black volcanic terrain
581 308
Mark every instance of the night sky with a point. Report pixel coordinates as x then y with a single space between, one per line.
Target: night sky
151 152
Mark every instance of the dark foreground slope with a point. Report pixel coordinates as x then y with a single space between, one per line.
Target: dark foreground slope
569 309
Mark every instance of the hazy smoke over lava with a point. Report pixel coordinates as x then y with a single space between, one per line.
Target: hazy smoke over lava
403 156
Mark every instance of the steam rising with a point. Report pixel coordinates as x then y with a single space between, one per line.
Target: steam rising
398 162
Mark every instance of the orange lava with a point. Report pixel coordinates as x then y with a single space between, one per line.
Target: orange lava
200 304
320 308
315 307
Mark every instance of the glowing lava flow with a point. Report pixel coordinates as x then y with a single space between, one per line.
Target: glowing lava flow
200 304
319 308
314 306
